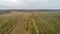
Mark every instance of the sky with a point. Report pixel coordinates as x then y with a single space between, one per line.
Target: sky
29 4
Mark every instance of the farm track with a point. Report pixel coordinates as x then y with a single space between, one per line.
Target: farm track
35 23
49 26
21 27
36 28
39 25
33 28
14 25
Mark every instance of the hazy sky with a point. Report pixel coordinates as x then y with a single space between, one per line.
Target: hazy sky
52 4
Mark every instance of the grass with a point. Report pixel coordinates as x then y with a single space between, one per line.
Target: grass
36 28
37 22
48 22
6 22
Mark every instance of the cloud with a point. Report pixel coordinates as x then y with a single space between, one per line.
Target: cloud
29 3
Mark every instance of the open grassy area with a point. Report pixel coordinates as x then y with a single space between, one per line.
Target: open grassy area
30 23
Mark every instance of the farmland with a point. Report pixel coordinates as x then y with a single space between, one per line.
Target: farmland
30 23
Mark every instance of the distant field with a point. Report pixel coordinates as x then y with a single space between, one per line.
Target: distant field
30 23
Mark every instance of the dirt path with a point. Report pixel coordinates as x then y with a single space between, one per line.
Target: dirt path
36 28
32 23
21 27
23 24
12 26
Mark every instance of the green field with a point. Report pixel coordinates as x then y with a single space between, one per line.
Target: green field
30 23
